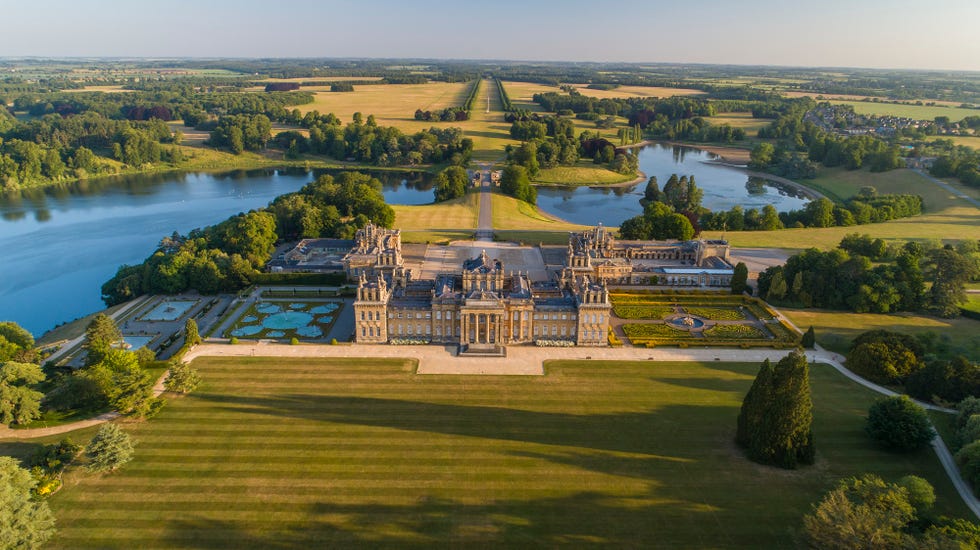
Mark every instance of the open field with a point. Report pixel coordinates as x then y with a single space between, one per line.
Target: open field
857 98
392 105
458 213
945 218
301 79
299 453
584 172
521 92
108 88
395 105
836 329
918 112
842 184
740 120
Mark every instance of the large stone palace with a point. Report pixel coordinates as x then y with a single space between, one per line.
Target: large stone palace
484 306
597 253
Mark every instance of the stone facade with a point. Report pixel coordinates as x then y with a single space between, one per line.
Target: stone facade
597 254
482 306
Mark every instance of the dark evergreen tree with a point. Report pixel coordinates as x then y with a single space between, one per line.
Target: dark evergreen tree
740 278
750 415
809 339
777 414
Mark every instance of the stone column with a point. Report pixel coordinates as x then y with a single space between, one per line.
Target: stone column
462 329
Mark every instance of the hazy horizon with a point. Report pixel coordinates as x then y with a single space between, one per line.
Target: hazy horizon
871 34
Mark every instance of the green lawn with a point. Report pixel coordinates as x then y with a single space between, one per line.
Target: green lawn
279 453
836 329
453 215
584 172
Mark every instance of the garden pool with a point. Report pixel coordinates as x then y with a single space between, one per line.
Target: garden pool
169 311
291 320
134 343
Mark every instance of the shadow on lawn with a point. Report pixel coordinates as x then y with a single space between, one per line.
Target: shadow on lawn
585 518
621 432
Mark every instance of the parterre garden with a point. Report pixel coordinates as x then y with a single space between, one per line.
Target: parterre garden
285 320
723 320
298 453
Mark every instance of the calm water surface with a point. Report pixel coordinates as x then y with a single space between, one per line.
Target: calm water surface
61 244
723 187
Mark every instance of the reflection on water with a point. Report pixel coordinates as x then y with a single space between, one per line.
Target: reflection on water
724 187
61 243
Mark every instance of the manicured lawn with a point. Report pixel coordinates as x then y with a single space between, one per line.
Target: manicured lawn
451 215
362 453
510 213
836 329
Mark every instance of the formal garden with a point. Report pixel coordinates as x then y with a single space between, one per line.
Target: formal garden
277 320
666 318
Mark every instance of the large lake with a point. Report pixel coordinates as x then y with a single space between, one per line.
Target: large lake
60 244
724 187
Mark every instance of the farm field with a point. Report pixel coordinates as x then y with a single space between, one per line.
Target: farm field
836 329
295 453
946 217
395 105
918 112
856 98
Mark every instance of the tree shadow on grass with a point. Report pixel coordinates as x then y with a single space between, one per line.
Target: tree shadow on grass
619 432
580 519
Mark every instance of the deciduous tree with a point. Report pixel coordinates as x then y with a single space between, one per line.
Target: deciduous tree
19 401
25 522
899 424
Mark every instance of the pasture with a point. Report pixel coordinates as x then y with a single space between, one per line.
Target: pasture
295 453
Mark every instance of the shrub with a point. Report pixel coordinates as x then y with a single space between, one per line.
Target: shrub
734 331
294 341
333 341
233 340
899 424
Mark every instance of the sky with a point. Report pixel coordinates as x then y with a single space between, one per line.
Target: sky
934 34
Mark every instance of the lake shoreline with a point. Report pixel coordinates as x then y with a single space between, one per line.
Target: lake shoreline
233 165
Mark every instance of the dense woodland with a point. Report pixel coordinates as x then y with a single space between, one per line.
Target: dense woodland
867 275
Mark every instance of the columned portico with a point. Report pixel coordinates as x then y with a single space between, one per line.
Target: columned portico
480 328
